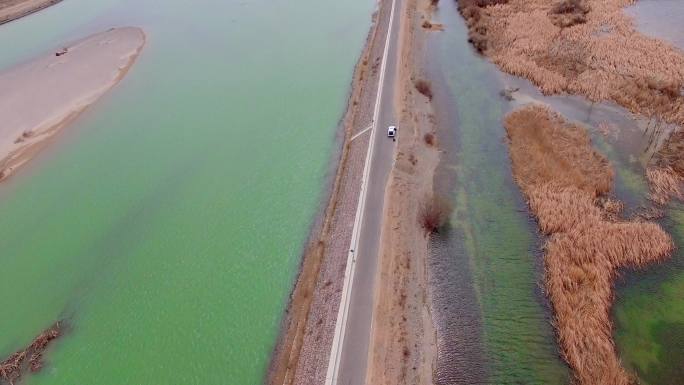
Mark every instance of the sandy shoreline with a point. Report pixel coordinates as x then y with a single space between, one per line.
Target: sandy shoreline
40 97
14 9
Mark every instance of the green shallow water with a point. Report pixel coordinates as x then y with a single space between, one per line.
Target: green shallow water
167 223
499 240
492 222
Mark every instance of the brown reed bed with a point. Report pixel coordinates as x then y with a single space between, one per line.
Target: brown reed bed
666 172
30 358
584 47
565 182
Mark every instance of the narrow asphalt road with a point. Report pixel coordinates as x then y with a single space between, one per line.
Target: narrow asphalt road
354 354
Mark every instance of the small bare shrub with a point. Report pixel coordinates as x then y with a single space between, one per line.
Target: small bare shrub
434 214
424 87
429 139
427 24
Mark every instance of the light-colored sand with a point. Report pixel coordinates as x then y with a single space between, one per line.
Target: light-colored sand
40 97
403 341
14 9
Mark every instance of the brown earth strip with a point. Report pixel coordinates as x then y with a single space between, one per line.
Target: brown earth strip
303 349
565 182
14 9
403 341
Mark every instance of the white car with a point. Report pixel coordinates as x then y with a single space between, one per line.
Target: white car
391 131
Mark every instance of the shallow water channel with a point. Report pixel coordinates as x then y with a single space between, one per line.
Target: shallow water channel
493 320
166 225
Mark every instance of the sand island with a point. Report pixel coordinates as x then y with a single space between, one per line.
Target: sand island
40 97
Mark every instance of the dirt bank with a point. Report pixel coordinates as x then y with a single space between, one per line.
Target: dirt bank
40 97
15 9
303 349
566 183
403 343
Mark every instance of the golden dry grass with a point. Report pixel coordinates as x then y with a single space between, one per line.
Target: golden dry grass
666 174
564 180
602 57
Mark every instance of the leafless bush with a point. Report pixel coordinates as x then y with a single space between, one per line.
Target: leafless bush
434 213
429 139
424 87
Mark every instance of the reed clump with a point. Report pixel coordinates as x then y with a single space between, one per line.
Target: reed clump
424 87
434 214
583 47
567 13
475 15
31 358
665 174
565 181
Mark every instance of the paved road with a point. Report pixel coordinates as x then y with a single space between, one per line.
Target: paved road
354 353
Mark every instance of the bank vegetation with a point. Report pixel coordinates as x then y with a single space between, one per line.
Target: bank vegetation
566 184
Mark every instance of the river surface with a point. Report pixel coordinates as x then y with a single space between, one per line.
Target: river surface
493 321
166 225
663 19
492 317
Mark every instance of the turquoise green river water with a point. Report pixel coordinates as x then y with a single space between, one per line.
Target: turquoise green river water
166 225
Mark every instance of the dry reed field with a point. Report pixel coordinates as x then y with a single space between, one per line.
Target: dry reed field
565 182
666 172
584 47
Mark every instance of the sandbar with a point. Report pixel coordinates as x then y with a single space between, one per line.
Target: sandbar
40 97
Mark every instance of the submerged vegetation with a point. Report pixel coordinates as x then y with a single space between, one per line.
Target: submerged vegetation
565 182
31 358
